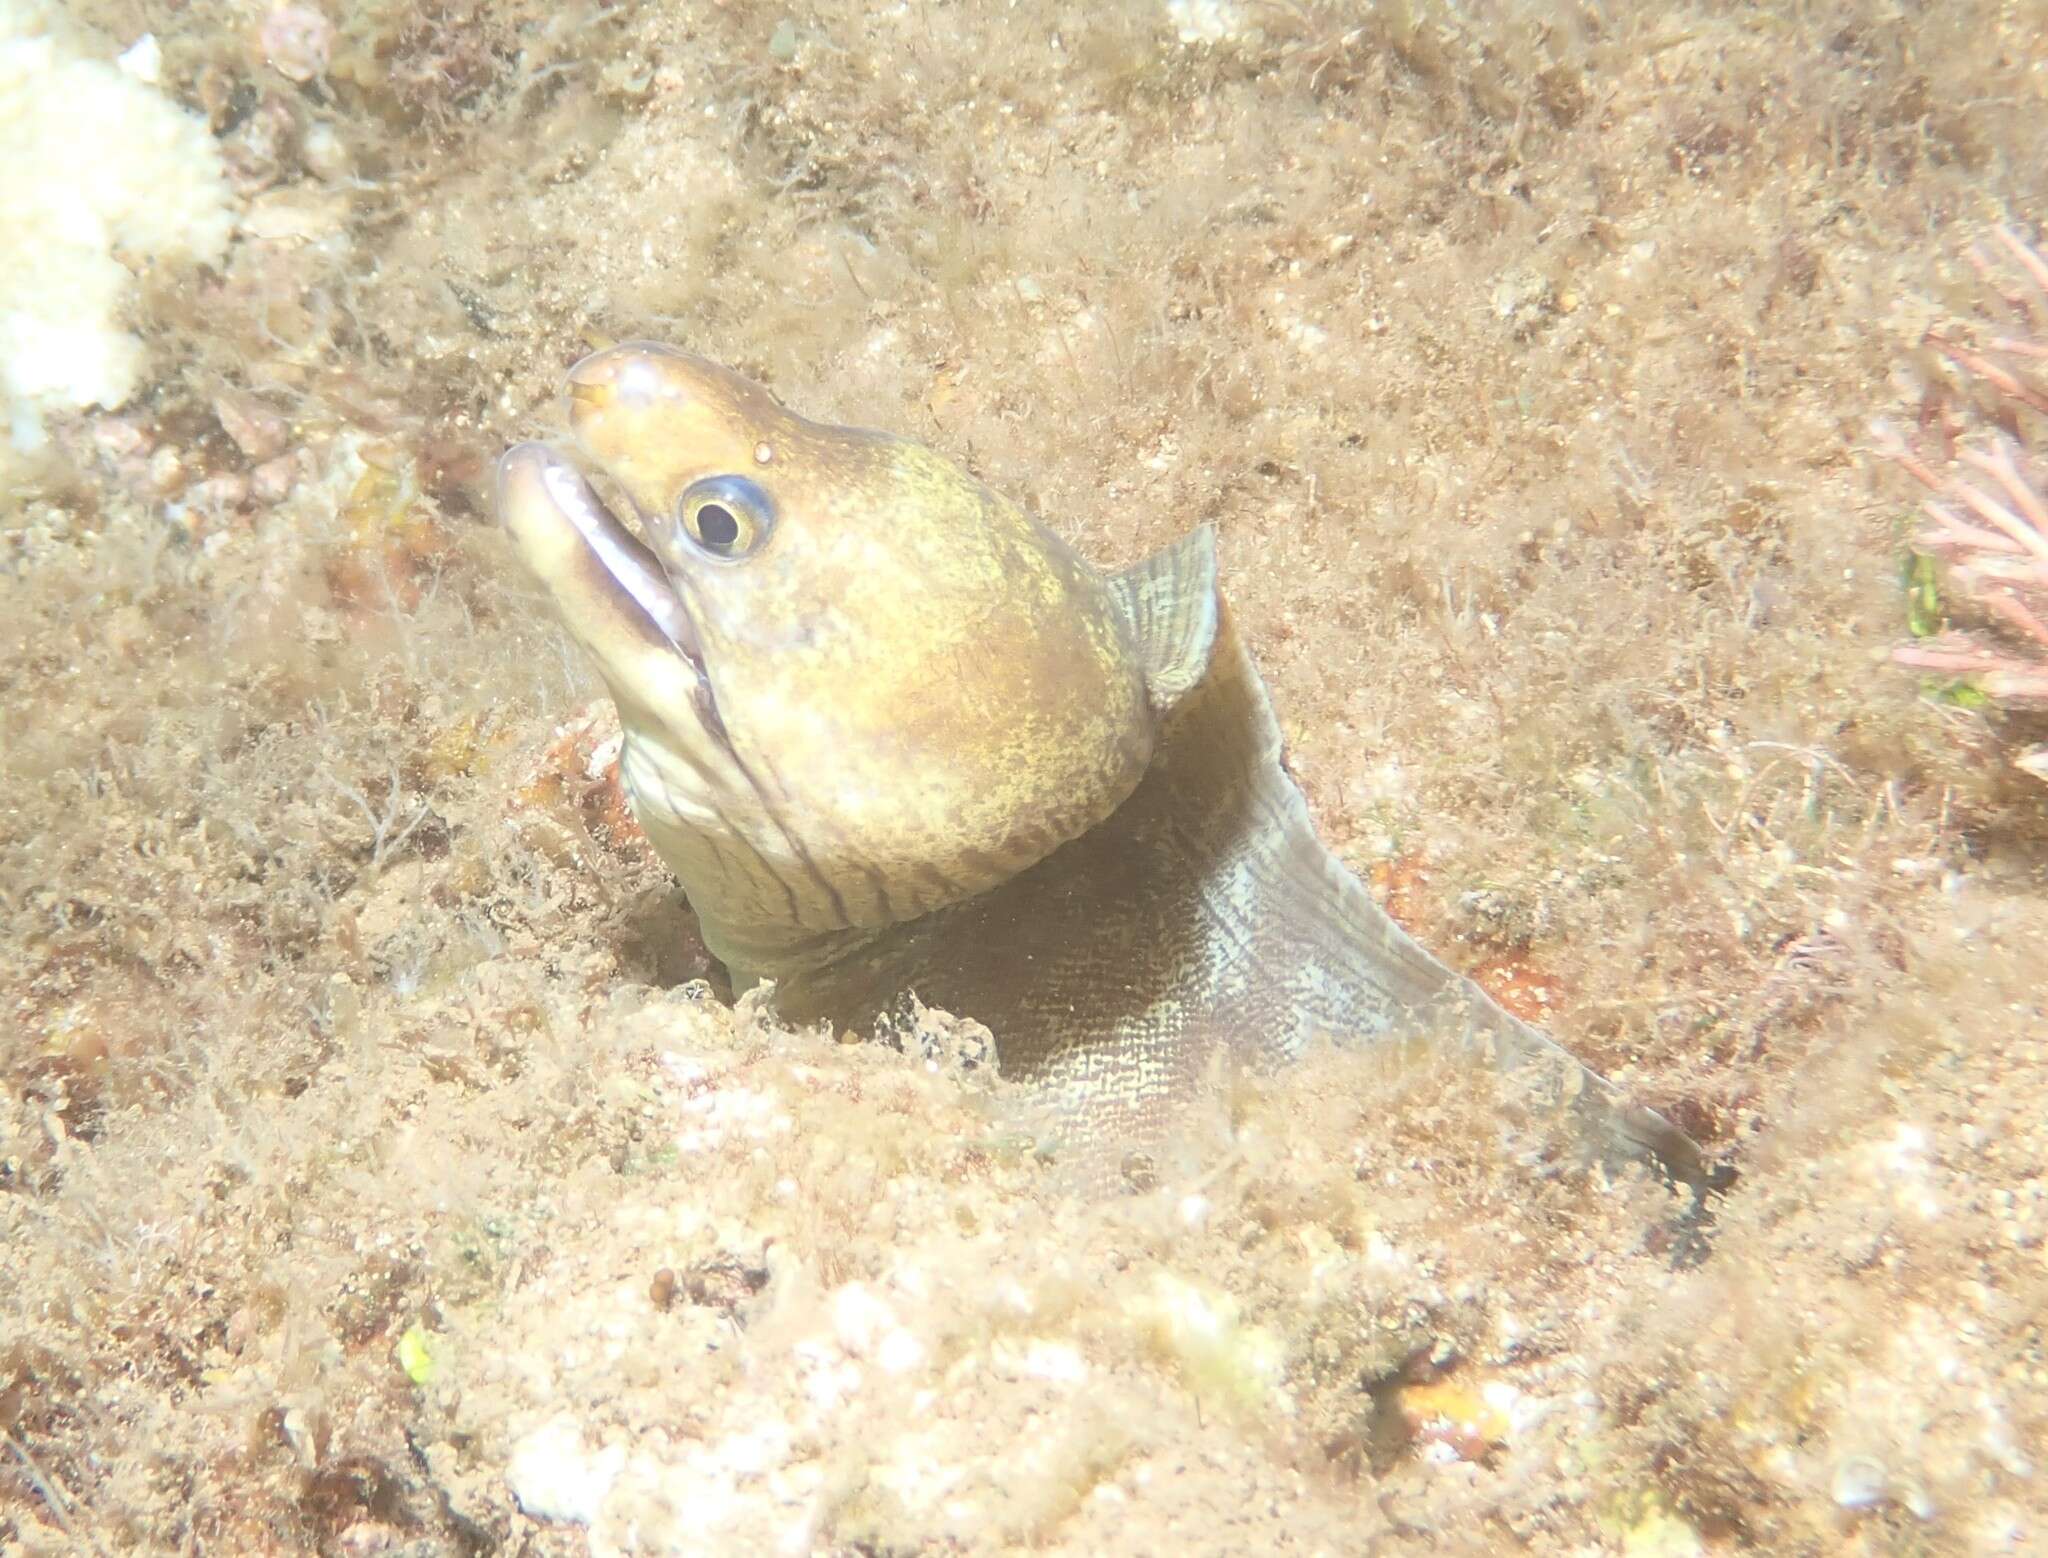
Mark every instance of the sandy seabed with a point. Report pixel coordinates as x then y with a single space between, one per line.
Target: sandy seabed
376 1175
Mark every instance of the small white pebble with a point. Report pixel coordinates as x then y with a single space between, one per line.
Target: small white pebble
899 1352
1055 1361
555 1477
295 40
603 755
1917 1503
324 153
1859 1483
860 1319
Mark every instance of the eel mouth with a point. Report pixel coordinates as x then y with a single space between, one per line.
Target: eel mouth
608 586
593 564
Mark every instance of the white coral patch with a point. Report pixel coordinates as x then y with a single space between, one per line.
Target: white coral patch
556 1476
94 163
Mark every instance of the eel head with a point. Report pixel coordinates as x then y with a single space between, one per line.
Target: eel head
856 685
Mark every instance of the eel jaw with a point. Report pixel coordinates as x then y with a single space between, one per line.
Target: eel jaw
608 587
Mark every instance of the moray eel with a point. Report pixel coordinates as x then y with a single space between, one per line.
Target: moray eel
896 738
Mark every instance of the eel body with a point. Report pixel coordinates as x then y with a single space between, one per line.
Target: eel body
897 739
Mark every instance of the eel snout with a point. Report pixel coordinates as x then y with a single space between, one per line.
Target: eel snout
604 579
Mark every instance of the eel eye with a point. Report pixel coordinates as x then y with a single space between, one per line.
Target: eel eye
728 517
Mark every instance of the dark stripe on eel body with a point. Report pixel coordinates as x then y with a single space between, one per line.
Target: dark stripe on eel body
796 916
713 720
795 843
949 890
811 866
985 866
729 834
881 887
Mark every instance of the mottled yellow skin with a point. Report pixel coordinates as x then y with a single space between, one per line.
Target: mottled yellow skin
919 690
